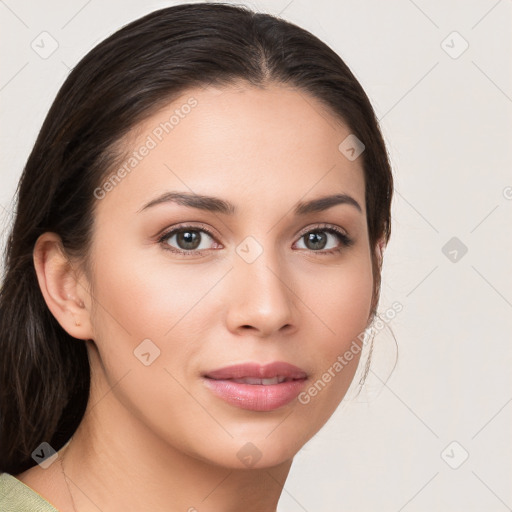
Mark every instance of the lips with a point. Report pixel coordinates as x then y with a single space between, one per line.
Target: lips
262 382
257 371
256 387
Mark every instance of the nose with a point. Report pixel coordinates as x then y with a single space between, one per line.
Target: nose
261 301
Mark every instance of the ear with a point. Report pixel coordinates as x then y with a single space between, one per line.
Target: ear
64 295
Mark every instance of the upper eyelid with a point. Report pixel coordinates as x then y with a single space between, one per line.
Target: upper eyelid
166 233
322 226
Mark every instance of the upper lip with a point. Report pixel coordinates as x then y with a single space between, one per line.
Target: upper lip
258 371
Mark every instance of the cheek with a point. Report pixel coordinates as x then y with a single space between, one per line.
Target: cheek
144 296
340 304
157 302
340 300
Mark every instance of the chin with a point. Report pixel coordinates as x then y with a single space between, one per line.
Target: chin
256 450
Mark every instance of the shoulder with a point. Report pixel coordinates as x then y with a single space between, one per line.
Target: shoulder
15 496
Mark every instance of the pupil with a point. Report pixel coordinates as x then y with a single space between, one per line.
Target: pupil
188 240
317 239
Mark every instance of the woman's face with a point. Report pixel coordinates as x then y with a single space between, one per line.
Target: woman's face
256 277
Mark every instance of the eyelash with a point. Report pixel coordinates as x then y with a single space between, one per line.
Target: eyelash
345 240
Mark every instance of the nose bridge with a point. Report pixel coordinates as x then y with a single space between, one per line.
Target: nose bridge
261 298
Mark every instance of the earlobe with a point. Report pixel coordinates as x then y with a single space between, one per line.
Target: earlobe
59 285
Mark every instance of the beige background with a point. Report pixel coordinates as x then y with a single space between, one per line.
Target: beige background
446 112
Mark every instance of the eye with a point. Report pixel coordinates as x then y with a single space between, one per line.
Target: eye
317 239
188 239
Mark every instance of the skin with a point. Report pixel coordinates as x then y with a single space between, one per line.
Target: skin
154 437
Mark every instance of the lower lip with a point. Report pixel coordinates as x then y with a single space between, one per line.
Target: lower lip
256 397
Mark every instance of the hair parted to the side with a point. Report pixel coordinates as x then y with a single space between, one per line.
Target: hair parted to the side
44 372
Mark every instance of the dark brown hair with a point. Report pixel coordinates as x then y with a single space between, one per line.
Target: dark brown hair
44 372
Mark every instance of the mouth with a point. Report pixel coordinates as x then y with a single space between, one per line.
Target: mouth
269 372
262 382
256 387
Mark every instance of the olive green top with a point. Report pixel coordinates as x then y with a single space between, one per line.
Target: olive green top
15 496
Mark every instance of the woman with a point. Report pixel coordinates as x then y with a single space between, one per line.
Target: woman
195 257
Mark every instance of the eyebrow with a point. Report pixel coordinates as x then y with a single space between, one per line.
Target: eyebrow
217 205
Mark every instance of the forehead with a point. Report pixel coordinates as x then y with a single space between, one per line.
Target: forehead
246 144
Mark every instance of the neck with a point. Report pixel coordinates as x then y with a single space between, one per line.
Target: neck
114 476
